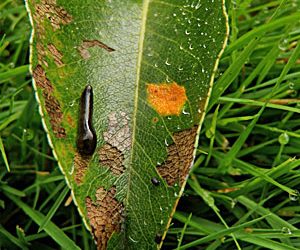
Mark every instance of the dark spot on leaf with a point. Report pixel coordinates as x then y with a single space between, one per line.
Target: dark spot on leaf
83 48
158 238
155 119
52 105
105 215
180 157
155 181
112 158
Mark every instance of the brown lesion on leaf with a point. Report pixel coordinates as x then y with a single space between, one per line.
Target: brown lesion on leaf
166 98
118 133
80 166
48 9
86 44
112 158
105 215
41 54
52 105
56 54
180 157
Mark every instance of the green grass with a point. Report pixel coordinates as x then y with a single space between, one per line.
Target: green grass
243 191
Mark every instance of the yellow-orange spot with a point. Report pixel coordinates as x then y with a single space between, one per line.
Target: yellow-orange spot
166 98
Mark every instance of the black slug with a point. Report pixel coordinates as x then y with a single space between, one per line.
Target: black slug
155 181
87 139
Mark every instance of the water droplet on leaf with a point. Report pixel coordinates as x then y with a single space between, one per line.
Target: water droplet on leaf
286 231
294 196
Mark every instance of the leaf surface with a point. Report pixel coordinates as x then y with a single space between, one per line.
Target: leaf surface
151 66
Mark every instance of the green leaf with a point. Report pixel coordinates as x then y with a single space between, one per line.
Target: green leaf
151 66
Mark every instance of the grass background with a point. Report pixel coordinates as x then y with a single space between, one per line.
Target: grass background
243 190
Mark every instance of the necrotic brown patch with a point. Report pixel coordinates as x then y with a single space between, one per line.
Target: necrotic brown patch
80 166
105 215
112 158
57 56
48 9
51 103
118 132
83 49
180 157
166 98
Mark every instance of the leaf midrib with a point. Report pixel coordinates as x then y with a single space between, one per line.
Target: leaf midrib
145 8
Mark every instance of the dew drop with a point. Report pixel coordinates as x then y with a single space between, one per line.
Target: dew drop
283 45
72 169
161 222
185 112
187 32
167 63
286 231
198 5
284 138
166 142
294 196
191 47
135 241
72 103
11 65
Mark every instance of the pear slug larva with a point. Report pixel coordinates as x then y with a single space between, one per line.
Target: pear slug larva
87 139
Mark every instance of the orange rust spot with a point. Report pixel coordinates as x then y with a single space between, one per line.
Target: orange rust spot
166 98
